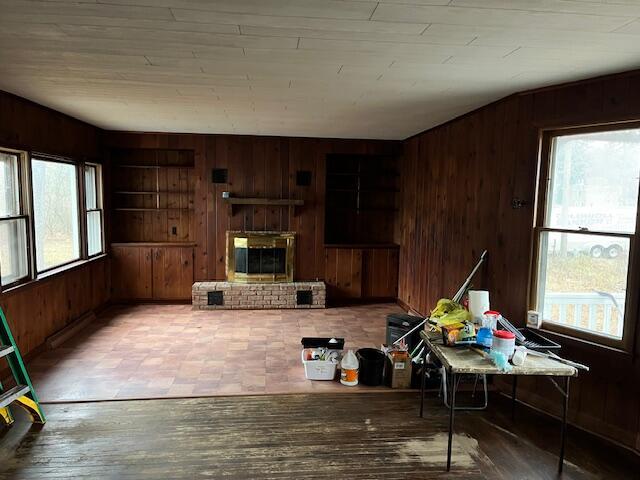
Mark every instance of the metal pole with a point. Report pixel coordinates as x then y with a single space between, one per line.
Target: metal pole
458 296
514 387
452 408
423 382
411 331
417 349
563 430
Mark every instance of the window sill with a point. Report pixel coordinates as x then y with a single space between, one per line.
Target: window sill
54 272
584 343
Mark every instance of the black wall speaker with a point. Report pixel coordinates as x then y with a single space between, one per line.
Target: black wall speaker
303 178
219 175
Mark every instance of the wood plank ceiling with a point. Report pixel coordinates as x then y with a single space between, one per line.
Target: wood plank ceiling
327 68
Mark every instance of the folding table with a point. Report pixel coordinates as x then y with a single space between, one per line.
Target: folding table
460 360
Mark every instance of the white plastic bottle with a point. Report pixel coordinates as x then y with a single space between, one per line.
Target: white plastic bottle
349 369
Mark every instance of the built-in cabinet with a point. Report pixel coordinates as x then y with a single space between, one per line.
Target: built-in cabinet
131 273
151 272
361 272
171 273
152 193
361 256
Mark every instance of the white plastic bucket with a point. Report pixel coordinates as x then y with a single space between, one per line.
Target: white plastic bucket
319 369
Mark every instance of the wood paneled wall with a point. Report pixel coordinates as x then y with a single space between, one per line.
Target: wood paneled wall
458 181
41 308
38 310
358 272
26 125
257 167
380 273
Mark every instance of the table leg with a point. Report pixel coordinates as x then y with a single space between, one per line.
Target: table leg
452 408
563 430
423 381
514 388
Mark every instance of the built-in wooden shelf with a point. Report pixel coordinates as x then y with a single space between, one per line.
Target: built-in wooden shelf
361 196
365 190
150 209
362 245
264 201
278 202
156 167
153 244
153 192
392 173
366 209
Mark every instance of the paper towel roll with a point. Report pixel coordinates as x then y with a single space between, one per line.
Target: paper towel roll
478 303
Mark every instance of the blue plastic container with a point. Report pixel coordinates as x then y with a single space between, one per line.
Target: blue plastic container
485 337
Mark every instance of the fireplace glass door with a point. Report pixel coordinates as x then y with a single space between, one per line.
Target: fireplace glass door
261 260
260 256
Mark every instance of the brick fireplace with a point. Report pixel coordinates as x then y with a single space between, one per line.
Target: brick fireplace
259 270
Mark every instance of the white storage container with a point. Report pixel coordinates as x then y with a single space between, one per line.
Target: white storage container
504 342
319 369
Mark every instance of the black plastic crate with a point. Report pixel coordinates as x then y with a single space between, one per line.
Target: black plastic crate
323 342
400 323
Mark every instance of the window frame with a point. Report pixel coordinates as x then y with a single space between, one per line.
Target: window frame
99 208
545 162
24 209
80 210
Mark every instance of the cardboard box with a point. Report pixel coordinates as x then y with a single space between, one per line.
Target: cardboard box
400 371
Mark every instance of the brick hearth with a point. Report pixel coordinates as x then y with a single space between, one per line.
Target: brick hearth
257 296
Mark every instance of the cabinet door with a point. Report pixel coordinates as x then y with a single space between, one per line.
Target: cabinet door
172 273
343 272
131 273
380 273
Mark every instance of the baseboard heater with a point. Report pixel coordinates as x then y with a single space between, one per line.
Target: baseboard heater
61 336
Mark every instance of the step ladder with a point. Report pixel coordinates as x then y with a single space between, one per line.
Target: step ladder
23 393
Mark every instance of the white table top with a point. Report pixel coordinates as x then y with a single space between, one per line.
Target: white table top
465 360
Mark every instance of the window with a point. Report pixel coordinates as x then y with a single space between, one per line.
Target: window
14 263
585 230
93 205
51 214
55 213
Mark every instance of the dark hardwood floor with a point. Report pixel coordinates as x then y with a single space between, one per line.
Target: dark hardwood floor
351 436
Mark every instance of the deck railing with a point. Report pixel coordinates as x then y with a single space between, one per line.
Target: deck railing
594 312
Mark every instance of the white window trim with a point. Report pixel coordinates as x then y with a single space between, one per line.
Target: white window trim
99 208
23 208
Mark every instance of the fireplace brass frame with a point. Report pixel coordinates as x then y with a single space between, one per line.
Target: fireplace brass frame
259 240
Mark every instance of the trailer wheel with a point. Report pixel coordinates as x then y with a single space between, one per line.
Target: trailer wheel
614 251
